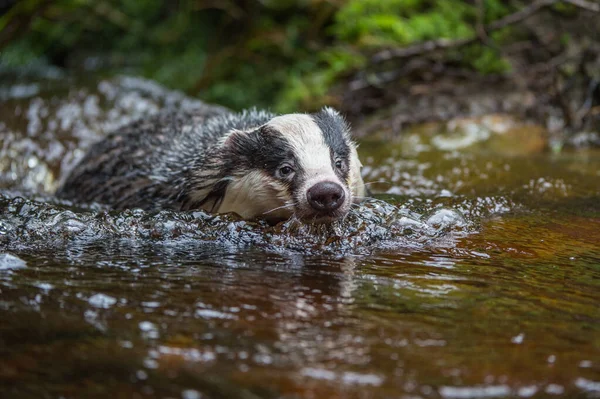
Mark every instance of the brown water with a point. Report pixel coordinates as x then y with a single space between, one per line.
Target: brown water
482 281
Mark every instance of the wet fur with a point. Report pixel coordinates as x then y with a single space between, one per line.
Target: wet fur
220 163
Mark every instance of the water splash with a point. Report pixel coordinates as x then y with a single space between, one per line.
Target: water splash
26 223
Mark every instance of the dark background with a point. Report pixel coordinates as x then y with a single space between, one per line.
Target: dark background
362 56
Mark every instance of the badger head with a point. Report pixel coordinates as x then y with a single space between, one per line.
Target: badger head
302 165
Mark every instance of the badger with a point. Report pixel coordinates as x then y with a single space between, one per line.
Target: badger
255 163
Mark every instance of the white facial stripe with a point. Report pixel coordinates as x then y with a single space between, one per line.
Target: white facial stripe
308 144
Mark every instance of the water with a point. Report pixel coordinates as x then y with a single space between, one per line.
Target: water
475 272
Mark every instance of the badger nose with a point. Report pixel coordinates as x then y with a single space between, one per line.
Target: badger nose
325 196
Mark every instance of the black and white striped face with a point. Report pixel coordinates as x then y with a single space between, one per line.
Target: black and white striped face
302 165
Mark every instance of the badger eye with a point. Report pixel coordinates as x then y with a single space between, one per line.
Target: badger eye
339 164
285 171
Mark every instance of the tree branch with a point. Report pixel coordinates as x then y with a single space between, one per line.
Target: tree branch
432 45
586 5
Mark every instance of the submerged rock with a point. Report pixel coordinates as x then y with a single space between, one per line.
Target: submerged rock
11 262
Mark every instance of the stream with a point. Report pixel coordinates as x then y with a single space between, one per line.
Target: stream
473 272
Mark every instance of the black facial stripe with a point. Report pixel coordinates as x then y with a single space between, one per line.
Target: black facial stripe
264 149
334 130
343 172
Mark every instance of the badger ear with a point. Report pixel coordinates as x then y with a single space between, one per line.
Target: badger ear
331 111
335 114
233 137
241 141
236 137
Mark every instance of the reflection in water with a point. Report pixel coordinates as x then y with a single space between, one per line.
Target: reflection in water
476 277
183 315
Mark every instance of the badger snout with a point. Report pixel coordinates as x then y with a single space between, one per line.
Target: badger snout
325 197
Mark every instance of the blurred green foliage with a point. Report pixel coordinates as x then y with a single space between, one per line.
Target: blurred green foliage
286 55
